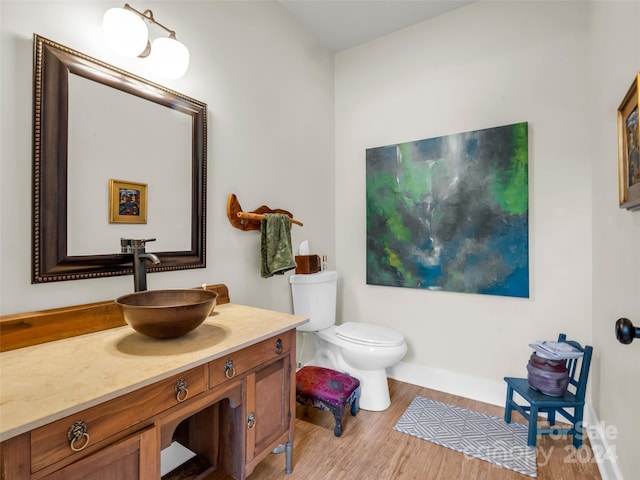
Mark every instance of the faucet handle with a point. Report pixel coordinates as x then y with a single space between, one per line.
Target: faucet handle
128 245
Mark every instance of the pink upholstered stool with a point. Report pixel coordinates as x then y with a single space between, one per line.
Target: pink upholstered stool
328 389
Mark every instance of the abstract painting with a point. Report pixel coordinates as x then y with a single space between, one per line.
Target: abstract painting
451 213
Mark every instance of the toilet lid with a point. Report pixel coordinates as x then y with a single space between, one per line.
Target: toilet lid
368 334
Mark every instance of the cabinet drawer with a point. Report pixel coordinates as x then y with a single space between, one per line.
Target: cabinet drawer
50 443
121 460
242 361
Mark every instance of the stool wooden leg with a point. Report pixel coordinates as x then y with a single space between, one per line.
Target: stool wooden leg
355 405
337 413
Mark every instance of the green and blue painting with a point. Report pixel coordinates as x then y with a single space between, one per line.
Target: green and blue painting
451 213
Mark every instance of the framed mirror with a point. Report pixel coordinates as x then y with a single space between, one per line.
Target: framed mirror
95 126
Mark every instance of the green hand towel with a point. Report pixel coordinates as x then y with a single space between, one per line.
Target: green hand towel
275 246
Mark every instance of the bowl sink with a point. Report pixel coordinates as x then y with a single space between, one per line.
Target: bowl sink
167 313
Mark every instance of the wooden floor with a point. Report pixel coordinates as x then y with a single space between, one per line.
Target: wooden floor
369 448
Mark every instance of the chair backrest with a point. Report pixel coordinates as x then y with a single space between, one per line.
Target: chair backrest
578 368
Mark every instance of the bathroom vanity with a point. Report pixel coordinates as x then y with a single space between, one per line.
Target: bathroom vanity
113 403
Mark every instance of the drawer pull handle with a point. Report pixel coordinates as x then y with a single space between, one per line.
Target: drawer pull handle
182 392
77 432
251 420
279 348
229 369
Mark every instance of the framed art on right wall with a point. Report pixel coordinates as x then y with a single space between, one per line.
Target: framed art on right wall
629 148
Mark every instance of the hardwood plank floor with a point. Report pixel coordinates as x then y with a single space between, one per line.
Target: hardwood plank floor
369 448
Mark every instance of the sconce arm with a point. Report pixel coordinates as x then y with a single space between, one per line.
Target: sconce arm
148 16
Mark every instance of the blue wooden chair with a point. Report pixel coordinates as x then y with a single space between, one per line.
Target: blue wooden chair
570 405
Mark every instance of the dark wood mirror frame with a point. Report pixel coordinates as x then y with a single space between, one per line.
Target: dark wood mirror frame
53 63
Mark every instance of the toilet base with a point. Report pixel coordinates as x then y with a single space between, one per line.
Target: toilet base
374 389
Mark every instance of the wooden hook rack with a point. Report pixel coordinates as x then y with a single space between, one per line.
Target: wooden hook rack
251 220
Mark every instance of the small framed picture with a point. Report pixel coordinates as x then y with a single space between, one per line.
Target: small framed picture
629 148
127 202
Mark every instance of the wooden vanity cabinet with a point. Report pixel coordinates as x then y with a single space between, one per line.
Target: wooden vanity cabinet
237 411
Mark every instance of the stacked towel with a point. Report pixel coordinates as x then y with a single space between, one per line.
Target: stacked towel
275 246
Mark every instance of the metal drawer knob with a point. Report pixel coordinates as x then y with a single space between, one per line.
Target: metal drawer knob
182 392
251 420
279 347
229 369
77 432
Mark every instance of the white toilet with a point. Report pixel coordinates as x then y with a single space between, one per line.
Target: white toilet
360 349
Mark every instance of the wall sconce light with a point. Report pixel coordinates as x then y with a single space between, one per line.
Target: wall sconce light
127 35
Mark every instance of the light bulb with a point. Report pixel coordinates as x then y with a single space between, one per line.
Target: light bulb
125 32
169 57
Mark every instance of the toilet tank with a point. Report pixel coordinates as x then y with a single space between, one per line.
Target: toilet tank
314 296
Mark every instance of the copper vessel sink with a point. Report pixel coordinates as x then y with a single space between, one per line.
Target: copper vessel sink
167 313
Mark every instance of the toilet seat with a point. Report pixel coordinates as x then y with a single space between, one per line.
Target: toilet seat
368 334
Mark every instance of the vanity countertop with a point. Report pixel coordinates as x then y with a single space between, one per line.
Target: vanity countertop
44 383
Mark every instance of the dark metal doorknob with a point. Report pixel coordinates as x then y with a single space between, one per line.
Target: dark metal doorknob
625 331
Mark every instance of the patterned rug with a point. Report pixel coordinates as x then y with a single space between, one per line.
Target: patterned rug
472 433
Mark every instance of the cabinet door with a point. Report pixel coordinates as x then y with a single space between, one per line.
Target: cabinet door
268 409
136 457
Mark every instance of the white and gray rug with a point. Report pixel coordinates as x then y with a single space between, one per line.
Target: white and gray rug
472 433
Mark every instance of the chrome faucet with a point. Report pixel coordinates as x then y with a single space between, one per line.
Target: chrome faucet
140 256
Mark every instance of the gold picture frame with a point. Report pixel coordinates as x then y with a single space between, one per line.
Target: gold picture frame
127 202
629 148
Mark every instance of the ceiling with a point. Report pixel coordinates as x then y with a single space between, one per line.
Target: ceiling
342 24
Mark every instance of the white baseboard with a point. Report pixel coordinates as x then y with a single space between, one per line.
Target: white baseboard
494 392
604 452
468 386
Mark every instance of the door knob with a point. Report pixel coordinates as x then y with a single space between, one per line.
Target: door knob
625 331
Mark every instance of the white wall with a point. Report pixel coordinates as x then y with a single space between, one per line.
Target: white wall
563 67
269 89
615 54
485 65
